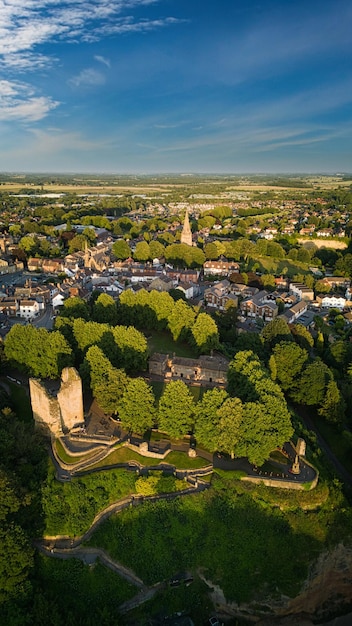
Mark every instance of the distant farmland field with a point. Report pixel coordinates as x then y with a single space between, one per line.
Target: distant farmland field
325 243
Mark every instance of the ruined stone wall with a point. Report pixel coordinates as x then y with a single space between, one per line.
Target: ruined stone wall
56 415
70 399
45 409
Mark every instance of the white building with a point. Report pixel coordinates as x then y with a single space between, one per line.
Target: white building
333 301
29 309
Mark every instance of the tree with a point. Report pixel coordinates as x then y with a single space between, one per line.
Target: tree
137 409
28 244
231 415
176 409
289 361
157 250
75 307
77 243
89 234
206 429
88 334
121 249
181 320
211 251
108 384
266 421
333 405
37 351
303 255
142 251
15 230
131 348
205 333
104 309
268 281
310 387
276 331
252 342
16 559
302 336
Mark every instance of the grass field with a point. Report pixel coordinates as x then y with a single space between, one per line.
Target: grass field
278 266
234 532
124 454
67 458
163 342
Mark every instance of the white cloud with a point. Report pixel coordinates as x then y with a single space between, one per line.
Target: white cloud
87 77
18 101
102 60
27 24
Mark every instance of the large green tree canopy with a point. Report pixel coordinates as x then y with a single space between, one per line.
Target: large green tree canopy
137 406
176 409
108 384
266 421
37 351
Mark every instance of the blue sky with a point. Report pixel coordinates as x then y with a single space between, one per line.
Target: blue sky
143 86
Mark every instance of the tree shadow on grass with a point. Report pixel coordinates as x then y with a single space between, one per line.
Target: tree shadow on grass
240 546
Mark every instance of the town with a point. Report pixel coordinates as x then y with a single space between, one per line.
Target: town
172 341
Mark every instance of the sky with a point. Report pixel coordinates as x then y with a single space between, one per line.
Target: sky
168 86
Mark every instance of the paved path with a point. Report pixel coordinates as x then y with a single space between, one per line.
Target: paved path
63 547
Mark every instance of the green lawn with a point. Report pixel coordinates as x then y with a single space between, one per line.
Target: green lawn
276 266
161 341
67 458
159 386
124 454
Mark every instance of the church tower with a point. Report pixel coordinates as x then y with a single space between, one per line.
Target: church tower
186 235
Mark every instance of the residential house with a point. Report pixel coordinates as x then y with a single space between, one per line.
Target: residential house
58 299
9 306
190 290
302 291
295 311
260 305
34 264
335 282
243 291
188 276
324 232
219 294
161 283
28 309
220 268
53 266
281 283
331 301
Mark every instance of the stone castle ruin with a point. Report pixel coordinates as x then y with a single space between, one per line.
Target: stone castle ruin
61 411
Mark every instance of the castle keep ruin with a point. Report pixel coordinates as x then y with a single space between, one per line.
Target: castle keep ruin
60 413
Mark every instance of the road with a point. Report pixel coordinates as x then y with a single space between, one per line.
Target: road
45 319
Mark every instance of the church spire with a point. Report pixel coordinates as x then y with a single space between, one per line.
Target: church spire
186 235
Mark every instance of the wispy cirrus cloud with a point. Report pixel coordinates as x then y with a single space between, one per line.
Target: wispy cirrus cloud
19 101
102 60
25 25
88 77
